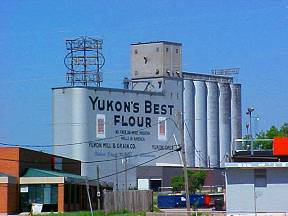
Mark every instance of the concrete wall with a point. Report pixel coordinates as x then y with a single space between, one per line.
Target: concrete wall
156 59
75 121
243 194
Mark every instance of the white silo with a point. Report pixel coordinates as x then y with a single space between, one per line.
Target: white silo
212 124
189 118
224 121
200 124
236 119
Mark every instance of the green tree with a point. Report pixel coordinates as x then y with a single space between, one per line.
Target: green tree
177 183
262 144
196 181
283 131
271 133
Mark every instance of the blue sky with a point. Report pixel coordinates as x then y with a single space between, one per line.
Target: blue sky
251 35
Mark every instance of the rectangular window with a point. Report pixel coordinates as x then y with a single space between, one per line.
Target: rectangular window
162 128
100 126
43 193
177 50
57 162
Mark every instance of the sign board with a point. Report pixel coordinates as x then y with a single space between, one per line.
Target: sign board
143 184
24 189
280 146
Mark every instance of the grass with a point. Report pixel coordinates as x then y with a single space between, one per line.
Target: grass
155 202
98 213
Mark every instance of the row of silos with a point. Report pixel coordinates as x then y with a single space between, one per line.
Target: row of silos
212 118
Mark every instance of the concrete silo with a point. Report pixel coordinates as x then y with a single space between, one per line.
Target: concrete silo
224 121
236 119
70 123
189 118
212 124
200 124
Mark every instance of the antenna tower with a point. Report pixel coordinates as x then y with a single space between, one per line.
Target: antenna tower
84 61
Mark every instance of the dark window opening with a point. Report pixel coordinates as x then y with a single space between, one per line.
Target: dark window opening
260 178
155 184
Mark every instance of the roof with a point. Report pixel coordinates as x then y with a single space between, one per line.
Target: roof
32 172
253 165
207 77
109 90
3 175
161 41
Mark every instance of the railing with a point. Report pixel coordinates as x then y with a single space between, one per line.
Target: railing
258 144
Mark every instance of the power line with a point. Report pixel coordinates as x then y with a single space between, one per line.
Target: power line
94 161
84 162
195 150
80 143
133 167
130 168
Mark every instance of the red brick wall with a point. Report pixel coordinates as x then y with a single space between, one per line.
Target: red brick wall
31 159
3 198
61 207
9 167
42 160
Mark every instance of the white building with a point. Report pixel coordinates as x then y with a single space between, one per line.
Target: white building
109 123
260 187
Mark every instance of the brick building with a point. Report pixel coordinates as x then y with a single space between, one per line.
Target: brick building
28 176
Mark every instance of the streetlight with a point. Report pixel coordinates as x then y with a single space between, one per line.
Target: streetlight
249 112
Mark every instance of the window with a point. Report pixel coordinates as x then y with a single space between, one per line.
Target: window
167 49
43 193
157 49
157 72
260 178
177 50
135 51
135 73
100 126
162 128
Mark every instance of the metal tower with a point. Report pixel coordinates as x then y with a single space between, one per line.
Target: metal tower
84 61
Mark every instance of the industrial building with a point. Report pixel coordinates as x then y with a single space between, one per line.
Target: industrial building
124 128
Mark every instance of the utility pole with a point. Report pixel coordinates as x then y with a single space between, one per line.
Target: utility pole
249 112
98 189
181 130
124 161
117 181
88 194
126 181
